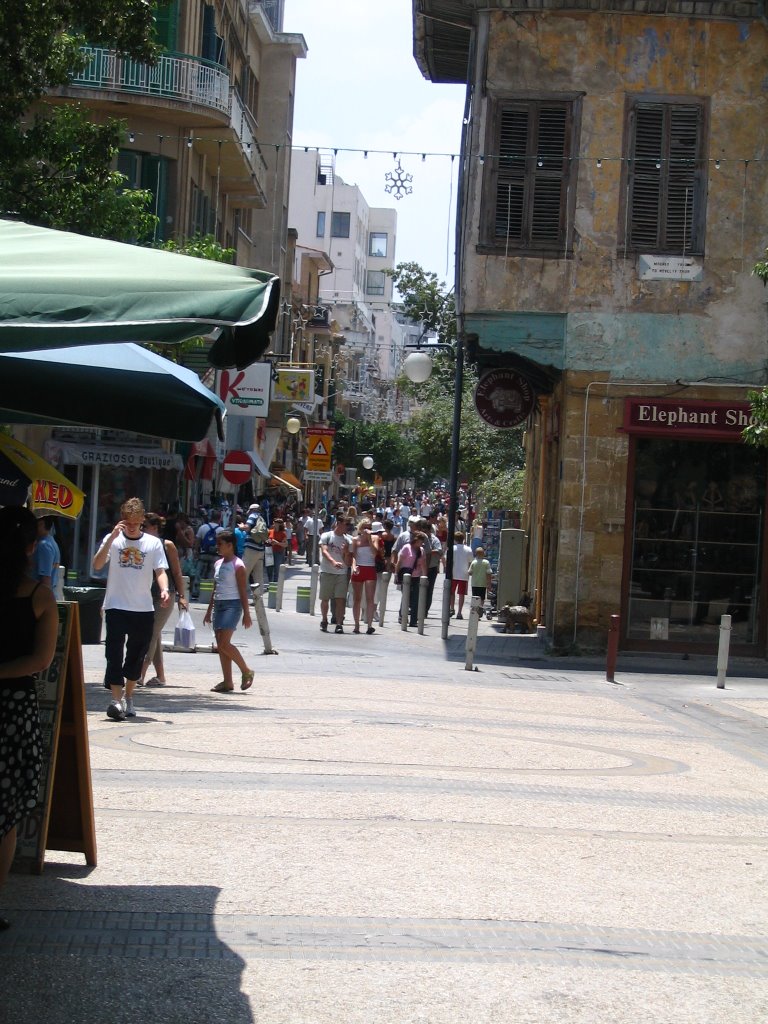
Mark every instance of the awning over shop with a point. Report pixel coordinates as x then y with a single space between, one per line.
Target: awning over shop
67 453
287 478
259 464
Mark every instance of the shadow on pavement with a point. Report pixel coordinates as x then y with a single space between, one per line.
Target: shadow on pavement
115 953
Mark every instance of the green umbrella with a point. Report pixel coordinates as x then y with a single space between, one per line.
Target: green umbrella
121 387
59 289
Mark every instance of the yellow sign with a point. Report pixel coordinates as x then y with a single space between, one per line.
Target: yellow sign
319 449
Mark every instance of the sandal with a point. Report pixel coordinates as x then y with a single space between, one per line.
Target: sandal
247 680
154 681
222 688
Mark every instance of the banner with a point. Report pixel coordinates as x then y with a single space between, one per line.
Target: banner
245 392
293 386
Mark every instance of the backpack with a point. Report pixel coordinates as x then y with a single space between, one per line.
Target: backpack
208 543
259 531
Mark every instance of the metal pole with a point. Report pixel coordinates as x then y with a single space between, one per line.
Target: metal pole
280 587
475 614
422 610
453 480
316 538
405 604
313 581
613 648
722 650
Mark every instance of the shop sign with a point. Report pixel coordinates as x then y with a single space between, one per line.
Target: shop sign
245 392
293 386
504 398
67 454
669 268
678 417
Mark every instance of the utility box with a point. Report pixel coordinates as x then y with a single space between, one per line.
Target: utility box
509 577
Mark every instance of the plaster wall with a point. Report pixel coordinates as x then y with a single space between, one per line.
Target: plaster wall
618 323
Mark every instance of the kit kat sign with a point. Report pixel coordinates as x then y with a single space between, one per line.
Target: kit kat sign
679 418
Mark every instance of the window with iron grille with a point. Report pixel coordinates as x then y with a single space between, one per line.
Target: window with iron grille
529 177
664 194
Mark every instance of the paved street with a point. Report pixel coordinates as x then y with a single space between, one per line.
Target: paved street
374 834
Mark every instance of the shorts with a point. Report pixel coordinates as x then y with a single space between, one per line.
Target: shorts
364 573
333 586
226 614
459 587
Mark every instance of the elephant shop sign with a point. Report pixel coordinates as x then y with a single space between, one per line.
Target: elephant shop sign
687 418
504 398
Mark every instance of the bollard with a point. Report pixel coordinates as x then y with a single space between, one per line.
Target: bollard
313 583
261 617
280 588
405 603
302 600
383 589
422 609
271 595
722 650
475 614
613 648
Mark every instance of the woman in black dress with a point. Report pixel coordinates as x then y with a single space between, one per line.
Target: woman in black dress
29 622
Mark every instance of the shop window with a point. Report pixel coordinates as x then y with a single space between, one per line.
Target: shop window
664 185
697 537
527 177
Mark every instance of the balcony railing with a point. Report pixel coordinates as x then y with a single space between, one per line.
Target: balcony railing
241 125
174 76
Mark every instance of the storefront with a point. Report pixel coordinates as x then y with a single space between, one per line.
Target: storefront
109 473
694 547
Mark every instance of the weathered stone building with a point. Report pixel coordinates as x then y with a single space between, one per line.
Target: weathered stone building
614 200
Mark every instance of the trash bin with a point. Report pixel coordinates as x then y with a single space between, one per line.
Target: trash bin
302 599
90 600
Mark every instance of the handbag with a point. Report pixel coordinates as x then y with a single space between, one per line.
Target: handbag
184 634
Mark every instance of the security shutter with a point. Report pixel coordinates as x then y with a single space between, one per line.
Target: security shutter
665 179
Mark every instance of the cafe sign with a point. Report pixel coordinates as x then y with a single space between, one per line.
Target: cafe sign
671 417
504 398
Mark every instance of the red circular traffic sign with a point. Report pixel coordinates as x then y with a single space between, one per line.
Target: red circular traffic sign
237 467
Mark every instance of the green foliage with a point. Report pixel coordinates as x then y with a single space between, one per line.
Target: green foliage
757 432
761 269
504 491
425 300
204 247
56 168
394 455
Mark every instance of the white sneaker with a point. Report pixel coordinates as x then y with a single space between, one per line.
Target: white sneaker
115 711
129 709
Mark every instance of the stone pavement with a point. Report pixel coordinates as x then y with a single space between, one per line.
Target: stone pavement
373 834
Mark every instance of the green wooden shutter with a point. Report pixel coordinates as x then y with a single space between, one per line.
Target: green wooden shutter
167 25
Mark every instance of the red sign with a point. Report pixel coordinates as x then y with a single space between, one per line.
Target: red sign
237 467
504 398
681 417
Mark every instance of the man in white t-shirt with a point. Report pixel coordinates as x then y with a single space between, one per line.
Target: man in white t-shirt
134 559
335 559
462 556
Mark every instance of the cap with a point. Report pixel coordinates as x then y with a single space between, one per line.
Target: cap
377 528
255 507
414 519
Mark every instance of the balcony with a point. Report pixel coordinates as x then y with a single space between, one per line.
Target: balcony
175 77
223 128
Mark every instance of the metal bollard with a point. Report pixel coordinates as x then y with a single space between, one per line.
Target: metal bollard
405 603
422 609
613 648
722 650
446 612
280 588
383 590
475 614
314 577
261 617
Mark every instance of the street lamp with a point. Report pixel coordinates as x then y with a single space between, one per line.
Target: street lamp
293 425
417 367
368 462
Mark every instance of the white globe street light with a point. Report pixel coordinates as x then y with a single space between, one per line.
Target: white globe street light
293 425
417 367
368 462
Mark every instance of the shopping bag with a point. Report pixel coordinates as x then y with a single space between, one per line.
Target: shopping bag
269 556
184 634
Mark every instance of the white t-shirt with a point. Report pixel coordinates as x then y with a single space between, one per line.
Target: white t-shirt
338 545
131 568
462 556
224 573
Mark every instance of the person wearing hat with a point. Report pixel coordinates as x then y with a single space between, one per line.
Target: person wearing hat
256 534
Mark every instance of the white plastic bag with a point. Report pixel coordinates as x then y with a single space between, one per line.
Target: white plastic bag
184 634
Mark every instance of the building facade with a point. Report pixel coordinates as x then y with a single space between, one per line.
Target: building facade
614 199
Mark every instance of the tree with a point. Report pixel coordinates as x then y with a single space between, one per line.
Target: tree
394 455
55 165
486 455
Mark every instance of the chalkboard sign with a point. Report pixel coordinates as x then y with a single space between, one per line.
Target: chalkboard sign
63 818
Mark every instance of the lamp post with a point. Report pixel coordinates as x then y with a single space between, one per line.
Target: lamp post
417 368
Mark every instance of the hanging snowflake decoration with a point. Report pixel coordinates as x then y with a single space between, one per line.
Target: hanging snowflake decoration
399 182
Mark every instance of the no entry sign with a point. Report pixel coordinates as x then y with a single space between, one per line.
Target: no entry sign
237 467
